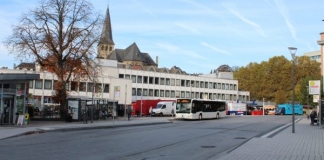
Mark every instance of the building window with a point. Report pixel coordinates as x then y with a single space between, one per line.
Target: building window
162 81
235 87
226 87
110 48
183 83
139 79
156 93
197 84
167 82
231 86
223 86
133 91
134 78
82 86
219 86
215 85
151 92
151 80
48 84
167 93
161 93
172 82
106 88
98 88
156 81
121 75
39 84
206 84
210 85
172 94
139 91
127 76
182 94
106 48
90 87
201 84
144 92
145 80
30 84
74 86
177 94
178 82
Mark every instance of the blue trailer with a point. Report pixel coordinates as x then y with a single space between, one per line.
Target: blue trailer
286 109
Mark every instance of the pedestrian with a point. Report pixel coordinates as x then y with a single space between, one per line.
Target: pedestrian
85 116
172 112
69 115
150 110
312 116
129 112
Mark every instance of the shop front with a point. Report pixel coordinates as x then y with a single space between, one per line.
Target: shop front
14 96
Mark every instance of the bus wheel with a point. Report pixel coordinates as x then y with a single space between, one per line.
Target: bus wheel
217 116
200 117
161 114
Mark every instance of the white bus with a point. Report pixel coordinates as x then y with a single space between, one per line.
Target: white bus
200 109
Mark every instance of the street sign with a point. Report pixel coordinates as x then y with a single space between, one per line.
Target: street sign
314 87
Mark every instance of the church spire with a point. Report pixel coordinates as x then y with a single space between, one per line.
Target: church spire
106 44
106 35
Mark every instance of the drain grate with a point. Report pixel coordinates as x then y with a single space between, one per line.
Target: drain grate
208 146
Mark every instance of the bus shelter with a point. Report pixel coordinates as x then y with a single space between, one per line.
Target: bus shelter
95 109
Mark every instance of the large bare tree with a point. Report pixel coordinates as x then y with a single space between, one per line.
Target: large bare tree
61 36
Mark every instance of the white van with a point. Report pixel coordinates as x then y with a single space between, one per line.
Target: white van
164 109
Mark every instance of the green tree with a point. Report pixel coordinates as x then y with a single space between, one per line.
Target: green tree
272 79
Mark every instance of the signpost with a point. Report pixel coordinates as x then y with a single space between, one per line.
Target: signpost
315 90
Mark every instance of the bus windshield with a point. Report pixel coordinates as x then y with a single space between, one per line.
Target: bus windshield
183 106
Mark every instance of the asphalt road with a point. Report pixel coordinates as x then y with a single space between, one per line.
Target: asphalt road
203 140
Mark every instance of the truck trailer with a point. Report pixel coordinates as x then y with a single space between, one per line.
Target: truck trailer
236 108
286 109
145 105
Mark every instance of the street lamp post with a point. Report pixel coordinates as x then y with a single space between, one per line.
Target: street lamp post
307 96
293 51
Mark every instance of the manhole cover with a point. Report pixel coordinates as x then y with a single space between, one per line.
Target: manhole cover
208 146
239 138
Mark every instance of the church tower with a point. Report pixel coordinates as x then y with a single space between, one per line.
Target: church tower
106 44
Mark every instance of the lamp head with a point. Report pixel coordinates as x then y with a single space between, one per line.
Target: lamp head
292 51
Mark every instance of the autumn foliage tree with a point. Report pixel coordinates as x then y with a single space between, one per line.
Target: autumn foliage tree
59 35
272 80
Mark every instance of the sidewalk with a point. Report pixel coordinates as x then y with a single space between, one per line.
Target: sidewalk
307 143
8 131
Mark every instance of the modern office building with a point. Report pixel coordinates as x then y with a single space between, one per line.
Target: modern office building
315 55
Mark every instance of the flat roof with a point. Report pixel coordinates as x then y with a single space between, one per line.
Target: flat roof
18 76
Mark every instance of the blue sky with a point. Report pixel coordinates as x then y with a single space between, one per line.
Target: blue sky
199 35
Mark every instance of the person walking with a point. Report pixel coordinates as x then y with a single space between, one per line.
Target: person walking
172 112
85 116
312 116
129 112
150 111
69 115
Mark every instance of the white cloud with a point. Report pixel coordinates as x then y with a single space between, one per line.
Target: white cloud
256 27
283 11
215 49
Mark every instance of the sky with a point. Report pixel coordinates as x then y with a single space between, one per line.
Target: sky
198 35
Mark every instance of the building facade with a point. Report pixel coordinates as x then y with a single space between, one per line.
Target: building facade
127 75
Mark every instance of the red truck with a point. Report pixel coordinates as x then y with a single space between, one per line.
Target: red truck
146 104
